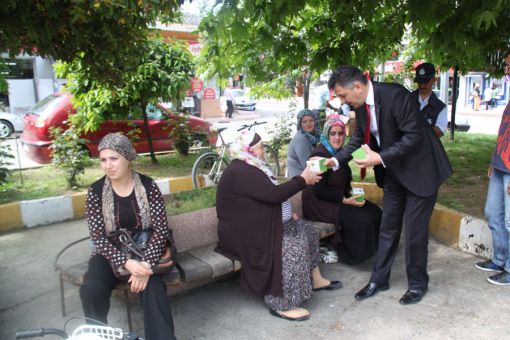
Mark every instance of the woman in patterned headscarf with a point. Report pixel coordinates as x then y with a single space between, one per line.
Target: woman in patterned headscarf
279 254
305 139
125 199
331 201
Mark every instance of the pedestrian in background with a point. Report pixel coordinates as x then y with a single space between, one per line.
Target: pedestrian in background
230 102
487 97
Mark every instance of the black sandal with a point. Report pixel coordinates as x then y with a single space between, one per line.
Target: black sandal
280 315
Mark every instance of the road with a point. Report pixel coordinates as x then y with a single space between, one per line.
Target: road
460 303
271 111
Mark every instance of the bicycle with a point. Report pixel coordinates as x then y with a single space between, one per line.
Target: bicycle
209 167
83 332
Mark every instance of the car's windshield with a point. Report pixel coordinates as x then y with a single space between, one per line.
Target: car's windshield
238 93
46 105
154 112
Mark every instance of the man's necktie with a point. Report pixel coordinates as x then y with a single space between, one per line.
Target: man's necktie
366 138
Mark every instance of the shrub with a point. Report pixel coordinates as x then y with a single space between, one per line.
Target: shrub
281 131
180 133
69 154
5 155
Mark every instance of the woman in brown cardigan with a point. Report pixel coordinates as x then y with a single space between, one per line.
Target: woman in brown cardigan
330 200
279 254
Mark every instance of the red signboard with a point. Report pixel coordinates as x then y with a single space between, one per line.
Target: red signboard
196 85
209 93
195 47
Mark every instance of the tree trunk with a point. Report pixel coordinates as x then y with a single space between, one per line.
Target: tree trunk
306 94
454 102
148 133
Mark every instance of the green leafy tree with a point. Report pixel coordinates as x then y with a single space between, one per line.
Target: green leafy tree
162 74
270 40
471 35
3 81
69 153
103 34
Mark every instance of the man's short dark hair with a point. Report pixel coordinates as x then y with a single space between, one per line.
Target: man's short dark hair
507 53
346 76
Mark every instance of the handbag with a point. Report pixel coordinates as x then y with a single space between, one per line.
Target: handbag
134 246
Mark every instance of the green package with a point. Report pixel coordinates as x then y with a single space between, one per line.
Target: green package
322 165
359 192
359 154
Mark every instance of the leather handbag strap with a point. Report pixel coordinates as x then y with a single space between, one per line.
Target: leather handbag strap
126 240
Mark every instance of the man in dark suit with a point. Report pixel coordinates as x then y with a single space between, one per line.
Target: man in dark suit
409 163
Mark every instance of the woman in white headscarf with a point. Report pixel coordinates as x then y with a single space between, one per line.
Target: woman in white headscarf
279 254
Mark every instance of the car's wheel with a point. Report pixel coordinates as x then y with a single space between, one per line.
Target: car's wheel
6 129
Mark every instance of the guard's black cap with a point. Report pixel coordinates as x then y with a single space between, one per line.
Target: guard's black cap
425 72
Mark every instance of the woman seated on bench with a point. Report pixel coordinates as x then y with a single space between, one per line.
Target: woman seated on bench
279 254
303 142
331 201
127 199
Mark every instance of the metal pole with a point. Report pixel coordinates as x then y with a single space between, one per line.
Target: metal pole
454 101
19 159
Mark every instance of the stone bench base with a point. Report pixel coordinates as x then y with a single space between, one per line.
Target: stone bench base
194 267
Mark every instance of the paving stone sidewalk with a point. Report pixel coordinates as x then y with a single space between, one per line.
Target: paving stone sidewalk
460 303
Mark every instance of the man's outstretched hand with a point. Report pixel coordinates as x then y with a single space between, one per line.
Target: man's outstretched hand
371 159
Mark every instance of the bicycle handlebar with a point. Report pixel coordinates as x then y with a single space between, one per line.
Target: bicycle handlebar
245 126
37 333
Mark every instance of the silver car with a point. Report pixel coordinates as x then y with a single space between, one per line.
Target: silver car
10 123
242 101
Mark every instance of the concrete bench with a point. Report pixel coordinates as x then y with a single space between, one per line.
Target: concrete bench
197 263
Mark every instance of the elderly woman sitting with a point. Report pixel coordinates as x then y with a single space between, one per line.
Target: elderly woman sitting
279 254
305 139
330 200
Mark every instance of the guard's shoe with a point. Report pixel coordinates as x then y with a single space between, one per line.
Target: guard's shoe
500 279
488 266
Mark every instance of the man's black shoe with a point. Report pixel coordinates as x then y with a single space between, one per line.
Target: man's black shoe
370 289
412 296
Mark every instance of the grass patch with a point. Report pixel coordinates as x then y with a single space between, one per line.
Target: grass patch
470 156
466 190
49 181
187 201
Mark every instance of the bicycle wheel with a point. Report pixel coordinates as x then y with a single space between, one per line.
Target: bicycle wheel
272 159
207 170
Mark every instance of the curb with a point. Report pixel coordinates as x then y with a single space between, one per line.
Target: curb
447 226
44 211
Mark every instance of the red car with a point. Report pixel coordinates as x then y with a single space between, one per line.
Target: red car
54 110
